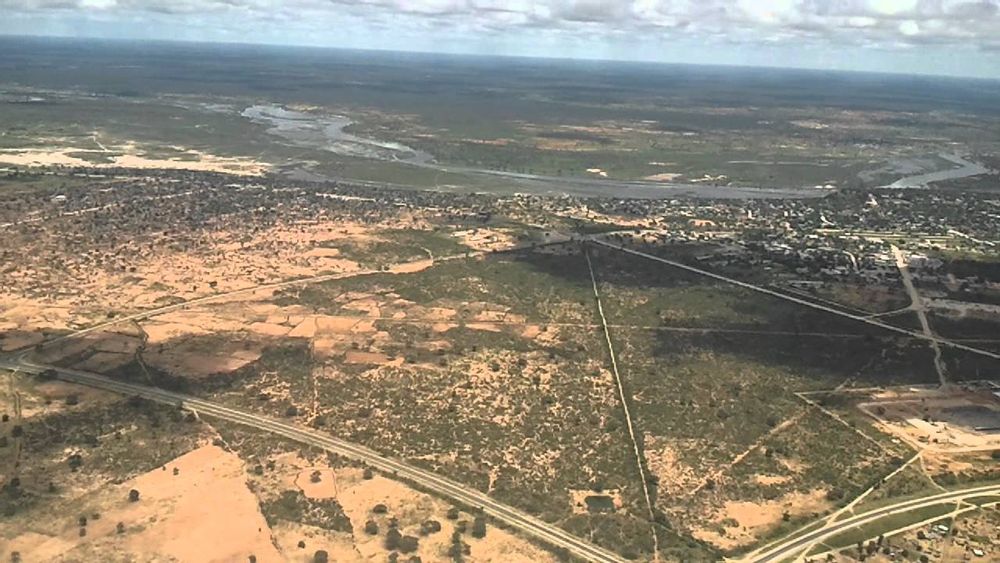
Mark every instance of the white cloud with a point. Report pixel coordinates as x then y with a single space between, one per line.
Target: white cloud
98 4
892 7
965 23
909 28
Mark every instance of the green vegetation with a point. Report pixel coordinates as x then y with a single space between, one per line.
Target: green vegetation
888 524
294 506
542 288
405 245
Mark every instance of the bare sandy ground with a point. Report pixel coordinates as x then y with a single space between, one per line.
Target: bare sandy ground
203 513
755 519
221 261
663 177
196 161
51 397
191 358
663 462
926 419
487 239
357 496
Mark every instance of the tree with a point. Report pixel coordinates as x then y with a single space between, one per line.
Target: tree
479 527
408 544
321 556
457 547
392 539
133 496
430 527
371 528
380 509
452 513
368 474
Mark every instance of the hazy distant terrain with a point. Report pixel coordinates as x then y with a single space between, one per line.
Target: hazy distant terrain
516 119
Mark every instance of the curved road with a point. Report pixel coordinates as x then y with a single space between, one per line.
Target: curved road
442 486
793 546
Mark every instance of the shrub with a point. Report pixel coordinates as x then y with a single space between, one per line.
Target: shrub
479 527
392 539
430 527
408 544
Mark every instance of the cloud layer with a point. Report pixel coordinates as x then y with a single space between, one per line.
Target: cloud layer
554 26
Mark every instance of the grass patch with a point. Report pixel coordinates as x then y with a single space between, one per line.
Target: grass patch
887 525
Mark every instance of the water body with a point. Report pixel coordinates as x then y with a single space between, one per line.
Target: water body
964 169
327 133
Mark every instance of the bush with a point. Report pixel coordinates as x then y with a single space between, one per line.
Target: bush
408 544
133 496
371 528
321 556
392 539
479 527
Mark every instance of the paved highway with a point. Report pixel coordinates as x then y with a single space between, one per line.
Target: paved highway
793 299
442 486
793 546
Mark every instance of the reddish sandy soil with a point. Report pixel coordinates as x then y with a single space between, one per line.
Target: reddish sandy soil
203 513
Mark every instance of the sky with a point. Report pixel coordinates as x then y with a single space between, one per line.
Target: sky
947 37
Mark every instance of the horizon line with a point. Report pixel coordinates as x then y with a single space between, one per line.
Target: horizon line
466 54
